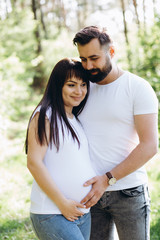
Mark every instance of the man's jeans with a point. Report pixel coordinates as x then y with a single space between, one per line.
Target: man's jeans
128 209
57 227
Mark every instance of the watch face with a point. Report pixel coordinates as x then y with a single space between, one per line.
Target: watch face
112 181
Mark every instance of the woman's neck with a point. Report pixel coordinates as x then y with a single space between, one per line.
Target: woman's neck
69 115
69 112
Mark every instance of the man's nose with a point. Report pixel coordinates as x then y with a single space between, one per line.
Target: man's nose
89 65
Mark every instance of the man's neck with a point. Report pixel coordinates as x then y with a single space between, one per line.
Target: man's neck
115 73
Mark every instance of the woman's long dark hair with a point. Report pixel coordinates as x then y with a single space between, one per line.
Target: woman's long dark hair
52 98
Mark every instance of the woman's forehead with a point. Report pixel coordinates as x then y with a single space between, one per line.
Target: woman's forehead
74 79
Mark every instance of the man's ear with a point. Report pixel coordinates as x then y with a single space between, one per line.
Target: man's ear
111 51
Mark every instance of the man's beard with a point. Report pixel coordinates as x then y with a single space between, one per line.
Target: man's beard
101 74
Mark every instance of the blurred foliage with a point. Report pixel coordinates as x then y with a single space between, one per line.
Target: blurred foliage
154 187
19 61
17 47
145 56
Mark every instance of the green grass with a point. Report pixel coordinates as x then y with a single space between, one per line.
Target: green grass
15 187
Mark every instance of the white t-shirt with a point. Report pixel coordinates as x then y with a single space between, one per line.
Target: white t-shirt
108 121
70 168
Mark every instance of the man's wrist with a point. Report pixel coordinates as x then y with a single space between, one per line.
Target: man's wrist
111 179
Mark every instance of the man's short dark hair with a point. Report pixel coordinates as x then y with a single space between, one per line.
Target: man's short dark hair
85 35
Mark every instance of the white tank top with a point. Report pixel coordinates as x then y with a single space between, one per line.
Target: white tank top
70 168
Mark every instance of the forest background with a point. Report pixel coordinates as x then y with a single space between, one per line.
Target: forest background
34 35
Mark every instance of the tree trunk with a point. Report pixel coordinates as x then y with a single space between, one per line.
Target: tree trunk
43 22
144 16
38 79
124 22
126 33
37 32
82 13
136 12
79 14
85 12
154 8
64 15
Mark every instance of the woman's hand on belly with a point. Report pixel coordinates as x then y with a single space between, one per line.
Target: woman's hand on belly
70 211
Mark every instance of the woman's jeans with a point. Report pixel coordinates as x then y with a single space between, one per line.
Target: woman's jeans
127 209
57 227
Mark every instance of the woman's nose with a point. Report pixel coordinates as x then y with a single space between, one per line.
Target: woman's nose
78 90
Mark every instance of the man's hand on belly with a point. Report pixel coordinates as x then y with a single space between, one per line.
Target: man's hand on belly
99 185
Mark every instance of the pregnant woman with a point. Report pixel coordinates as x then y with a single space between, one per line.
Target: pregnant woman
58 157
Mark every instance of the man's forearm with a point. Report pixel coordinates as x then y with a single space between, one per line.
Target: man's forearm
136 159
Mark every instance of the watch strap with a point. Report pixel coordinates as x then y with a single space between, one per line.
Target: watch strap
109 175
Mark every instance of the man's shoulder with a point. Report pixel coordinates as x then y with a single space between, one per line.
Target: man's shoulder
136 78
138 81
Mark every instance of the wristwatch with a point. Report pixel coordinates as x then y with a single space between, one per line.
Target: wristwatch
112 180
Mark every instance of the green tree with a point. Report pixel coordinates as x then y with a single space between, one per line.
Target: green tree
147 57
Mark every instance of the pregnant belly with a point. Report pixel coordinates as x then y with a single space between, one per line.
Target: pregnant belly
76 192
72 187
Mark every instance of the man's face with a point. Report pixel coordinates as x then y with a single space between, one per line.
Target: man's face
96 60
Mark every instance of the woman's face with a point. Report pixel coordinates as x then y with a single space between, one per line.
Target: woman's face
73 93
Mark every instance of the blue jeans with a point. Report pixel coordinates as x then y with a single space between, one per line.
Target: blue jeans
127 209
57 227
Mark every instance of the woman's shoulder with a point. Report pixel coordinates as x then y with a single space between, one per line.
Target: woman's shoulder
37 110
48 112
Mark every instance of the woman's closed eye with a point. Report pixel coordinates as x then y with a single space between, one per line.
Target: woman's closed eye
84 84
